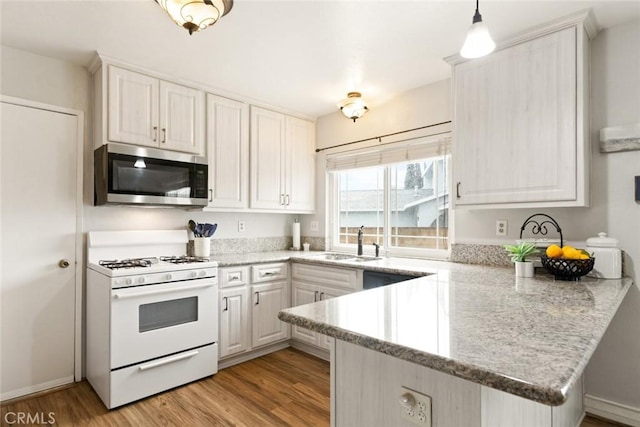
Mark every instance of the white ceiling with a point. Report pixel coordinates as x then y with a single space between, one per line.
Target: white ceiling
300 55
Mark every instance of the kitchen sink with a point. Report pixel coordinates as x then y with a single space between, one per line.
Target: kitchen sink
337 257
363 258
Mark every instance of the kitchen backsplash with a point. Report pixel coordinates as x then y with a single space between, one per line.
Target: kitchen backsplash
479 254
257 244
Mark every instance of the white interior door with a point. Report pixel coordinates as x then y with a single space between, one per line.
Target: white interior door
39 184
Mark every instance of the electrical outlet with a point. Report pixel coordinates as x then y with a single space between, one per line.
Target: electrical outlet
501 227
313 225
415 407
241 226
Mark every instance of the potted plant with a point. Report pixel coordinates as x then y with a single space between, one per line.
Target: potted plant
519 254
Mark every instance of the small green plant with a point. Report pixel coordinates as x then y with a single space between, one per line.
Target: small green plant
520 252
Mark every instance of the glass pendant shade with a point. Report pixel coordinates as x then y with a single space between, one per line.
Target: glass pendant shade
478 42
353 107
195 15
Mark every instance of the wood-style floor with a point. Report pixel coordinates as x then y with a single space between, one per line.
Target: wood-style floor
285 388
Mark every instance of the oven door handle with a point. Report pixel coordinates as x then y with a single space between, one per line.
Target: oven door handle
162 291
168 360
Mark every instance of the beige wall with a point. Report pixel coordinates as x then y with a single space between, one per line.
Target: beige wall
418 107
52 81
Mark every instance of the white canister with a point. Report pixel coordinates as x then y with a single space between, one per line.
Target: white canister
608 263
202 247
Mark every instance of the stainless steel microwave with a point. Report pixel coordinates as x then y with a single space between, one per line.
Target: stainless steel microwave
128 174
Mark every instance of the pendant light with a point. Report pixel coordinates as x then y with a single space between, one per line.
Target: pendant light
353 106
195 15
478 42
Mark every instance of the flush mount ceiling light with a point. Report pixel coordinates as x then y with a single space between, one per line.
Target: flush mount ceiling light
195 15
478 42
353 106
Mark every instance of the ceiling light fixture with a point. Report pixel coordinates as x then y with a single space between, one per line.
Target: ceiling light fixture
195 15
478 42
353 106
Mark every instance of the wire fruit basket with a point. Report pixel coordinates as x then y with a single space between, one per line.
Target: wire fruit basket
567 269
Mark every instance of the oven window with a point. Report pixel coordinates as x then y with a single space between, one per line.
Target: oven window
163 314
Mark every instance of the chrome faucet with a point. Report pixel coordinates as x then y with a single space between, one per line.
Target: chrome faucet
360 240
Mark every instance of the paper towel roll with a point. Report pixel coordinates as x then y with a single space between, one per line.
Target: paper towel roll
296 235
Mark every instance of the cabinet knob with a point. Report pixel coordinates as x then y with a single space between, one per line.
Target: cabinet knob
64 263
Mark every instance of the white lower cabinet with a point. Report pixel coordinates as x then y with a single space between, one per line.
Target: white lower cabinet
249 307
268 299
313 283
307 293
234 321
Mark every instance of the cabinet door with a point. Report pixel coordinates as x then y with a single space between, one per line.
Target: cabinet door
325 341
234 321
181 118
268 299
303 293
228 151
133 108
267 168
300 165
515 123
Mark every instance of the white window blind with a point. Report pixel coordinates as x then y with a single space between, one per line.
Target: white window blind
384 154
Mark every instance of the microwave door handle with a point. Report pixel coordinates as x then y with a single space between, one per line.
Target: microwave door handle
162 291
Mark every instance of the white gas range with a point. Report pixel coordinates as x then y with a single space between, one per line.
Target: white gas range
152 314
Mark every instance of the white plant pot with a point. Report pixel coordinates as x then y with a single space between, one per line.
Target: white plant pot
524 269
202 246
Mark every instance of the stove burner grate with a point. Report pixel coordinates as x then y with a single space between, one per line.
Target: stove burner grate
128 263
184 259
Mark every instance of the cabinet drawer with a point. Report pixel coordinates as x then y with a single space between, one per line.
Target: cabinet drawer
268 272
138 381
327 276
234 276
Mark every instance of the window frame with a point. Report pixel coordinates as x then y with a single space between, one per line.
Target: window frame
333 216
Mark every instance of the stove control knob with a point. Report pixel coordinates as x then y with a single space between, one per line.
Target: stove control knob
169 276
129 281
141 280
194 274
203 273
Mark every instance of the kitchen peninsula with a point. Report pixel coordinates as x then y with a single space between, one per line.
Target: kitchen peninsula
488 348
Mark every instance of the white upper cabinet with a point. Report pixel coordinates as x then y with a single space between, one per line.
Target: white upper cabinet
282 162
133 107
144 110
181 118
228 152
300 164
521 121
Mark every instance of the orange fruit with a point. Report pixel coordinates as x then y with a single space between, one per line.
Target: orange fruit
569 252
554 251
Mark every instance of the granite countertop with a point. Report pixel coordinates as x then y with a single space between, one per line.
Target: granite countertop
529 337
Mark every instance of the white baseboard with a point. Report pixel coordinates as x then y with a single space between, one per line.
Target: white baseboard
35 388
612 411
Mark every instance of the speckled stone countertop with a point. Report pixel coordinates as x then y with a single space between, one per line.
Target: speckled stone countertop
529 337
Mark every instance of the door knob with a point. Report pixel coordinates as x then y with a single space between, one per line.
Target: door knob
64 263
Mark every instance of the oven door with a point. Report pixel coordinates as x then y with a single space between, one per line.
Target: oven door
157 320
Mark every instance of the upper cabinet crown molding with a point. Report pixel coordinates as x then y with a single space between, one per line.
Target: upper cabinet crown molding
521 120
